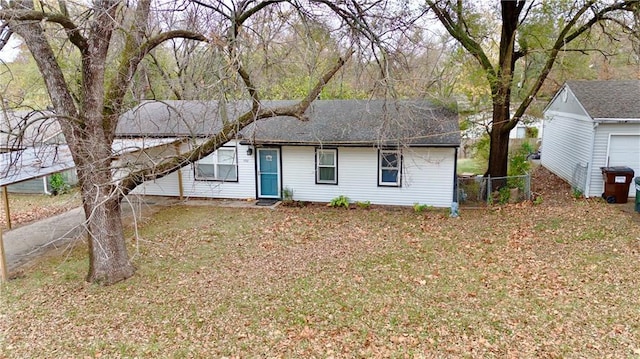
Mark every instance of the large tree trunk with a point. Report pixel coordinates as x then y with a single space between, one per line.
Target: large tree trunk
501 92
108 258
499 141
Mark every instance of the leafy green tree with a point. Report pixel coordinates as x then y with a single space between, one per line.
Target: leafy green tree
533 37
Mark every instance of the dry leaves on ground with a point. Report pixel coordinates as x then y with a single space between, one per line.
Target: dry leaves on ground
523 280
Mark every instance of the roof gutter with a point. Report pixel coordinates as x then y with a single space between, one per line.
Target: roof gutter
616 120
346 144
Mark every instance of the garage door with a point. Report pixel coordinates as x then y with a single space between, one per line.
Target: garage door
624 150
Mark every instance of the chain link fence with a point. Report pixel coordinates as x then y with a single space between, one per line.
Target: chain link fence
479 190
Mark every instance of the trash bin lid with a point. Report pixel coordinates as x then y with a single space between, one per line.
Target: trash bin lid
617 169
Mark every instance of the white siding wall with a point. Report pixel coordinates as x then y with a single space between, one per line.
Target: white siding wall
427 176
567 141
603 132
244 188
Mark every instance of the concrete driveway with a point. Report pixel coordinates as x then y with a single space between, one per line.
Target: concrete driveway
31 240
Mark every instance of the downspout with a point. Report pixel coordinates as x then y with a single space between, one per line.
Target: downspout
587 185
45 185
454 203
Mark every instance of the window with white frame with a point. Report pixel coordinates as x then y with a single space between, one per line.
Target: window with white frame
389 168
327 166
220 166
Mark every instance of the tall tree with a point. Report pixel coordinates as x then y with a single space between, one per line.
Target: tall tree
572 20
111 39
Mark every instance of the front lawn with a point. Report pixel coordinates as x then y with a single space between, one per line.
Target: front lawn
471 165
515 281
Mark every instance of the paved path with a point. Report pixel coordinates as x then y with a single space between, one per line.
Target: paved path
26 242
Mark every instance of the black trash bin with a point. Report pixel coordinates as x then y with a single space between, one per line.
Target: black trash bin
638 194
616 183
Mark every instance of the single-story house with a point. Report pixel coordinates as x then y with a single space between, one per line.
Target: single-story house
589 125
27 135
384 152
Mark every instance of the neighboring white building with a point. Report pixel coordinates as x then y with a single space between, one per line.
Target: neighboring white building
482 120
589 125
30 133
385 152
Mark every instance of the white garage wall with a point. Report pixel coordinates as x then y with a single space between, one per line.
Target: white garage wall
604 132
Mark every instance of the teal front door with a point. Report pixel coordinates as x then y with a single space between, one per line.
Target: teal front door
268 173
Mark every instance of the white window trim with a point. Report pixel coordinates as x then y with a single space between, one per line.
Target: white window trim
398 153
335 165
212 160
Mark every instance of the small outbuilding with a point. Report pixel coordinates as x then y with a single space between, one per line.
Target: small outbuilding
589 125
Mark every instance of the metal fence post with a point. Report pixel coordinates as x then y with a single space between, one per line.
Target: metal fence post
489 189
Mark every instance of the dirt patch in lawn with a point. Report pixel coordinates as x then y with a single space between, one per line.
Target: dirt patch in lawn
553 189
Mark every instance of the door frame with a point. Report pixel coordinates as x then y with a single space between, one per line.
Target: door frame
279 174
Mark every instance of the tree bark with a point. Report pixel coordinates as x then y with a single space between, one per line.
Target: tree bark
108 257
499 141
89 118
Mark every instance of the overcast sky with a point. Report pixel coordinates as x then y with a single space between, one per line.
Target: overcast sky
10 51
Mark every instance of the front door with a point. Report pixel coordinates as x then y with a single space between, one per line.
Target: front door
268 173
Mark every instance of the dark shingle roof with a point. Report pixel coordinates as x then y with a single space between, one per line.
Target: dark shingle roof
337 122
171 119
21 128
608 99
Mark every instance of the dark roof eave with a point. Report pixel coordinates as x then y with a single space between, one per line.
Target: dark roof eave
344 144
167 135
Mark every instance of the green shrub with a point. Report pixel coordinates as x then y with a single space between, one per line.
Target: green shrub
504 194
576 193
287 194
538 200
531 132
340 201
58 184
482 149
519 166
419 208
363 205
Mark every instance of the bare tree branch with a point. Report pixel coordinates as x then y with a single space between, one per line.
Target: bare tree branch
565 37
229 132
73 32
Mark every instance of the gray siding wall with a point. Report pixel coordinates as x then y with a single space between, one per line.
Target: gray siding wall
32 186
36 185
566 146
568 104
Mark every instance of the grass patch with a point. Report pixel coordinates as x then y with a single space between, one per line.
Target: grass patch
521 281
471 165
